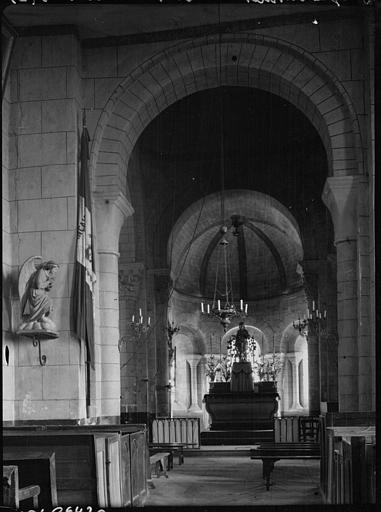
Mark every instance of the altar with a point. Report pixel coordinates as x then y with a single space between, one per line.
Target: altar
231 410
238 404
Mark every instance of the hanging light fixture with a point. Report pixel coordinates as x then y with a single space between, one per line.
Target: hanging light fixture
223 306
138 325
314 323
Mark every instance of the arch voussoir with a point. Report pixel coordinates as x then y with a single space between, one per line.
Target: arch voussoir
246 60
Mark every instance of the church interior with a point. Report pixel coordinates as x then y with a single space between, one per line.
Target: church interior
188 253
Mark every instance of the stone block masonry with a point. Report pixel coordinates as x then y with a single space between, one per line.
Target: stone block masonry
46 107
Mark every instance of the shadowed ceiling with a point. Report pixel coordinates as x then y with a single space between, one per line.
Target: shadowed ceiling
269 146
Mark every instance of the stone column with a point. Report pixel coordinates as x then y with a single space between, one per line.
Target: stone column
161 282
332 372
331 337
193 361
295 359
313 374
323 367
366 322
110 211
341 197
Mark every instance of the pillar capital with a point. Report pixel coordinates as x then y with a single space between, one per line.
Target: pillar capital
340 195
193 359
295 357
111 209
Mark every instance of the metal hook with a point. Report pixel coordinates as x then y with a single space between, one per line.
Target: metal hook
37 342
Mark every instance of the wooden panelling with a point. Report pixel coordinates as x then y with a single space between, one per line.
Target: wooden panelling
104 465
138 453
125 470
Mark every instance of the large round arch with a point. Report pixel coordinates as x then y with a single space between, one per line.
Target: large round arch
246 60
262 62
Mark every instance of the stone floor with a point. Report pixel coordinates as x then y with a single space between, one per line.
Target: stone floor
235 480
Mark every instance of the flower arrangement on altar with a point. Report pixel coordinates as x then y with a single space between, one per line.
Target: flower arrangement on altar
211 367
269 369
232 353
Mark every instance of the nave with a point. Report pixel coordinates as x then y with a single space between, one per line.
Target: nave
235 480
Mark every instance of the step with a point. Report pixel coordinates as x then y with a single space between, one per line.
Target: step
238 433
219 451
235 437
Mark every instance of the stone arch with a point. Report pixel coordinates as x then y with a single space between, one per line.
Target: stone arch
187 67
195 336
262 62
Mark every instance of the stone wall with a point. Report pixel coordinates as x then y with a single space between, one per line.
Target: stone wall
44 103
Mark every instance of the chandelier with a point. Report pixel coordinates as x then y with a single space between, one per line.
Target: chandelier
314 323
223 307
139 326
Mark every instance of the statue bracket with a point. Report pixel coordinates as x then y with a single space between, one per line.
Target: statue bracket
37 336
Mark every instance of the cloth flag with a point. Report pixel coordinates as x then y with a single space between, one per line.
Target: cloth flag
84 269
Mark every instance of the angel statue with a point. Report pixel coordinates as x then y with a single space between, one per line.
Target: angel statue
36 279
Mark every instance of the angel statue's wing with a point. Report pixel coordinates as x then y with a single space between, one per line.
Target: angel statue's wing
29 267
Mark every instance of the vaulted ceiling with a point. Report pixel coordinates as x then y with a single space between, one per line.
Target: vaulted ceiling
268 147
262 253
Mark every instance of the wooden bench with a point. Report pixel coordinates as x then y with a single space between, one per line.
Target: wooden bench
269 453
12 493
172 448
159 463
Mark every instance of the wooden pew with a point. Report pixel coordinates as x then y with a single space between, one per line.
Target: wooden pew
270 453
13 493
104 464
35 467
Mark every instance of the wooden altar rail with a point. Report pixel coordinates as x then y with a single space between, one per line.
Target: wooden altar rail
296 429
176 430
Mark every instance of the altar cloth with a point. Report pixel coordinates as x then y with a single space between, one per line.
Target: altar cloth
241 379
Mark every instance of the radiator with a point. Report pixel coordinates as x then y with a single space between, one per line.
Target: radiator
177 430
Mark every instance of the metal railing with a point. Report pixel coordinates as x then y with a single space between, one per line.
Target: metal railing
296 429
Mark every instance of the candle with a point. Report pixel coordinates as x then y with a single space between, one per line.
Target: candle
208 308
241 307
246 309
202 307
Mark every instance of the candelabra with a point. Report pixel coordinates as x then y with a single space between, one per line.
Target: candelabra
138 326
171 331
224 311
313 323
